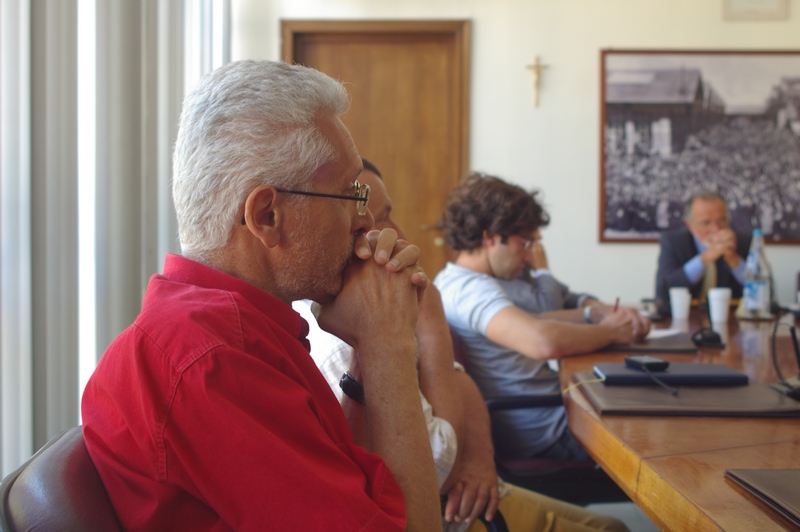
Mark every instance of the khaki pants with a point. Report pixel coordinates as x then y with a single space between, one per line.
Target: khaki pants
525 510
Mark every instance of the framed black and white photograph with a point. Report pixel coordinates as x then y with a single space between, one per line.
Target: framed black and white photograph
675 122
755 10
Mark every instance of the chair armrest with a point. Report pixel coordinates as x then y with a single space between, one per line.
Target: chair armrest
514 402
497 524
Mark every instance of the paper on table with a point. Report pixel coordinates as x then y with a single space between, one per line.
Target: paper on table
662 333
672 340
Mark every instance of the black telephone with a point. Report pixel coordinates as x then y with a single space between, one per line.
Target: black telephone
646 363
650 364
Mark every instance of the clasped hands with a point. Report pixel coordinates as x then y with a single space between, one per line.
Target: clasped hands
380 292
721 243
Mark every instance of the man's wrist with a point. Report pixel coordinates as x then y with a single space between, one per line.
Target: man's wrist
733 259
352 388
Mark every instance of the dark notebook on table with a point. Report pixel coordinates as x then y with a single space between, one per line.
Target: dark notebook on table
777 488
675 375
679 342
751 400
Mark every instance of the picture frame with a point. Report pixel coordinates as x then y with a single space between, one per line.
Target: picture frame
674 122
755 10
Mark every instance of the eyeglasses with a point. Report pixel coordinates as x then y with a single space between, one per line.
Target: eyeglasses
361 196
528 245
719 222
529 242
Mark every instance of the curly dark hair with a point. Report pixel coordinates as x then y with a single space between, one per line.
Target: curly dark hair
485 203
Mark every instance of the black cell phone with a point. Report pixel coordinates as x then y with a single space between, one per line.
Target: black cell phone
646 363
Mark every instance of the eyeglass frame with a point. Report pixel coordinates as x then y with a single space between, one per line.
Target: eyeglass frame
719 222
361 196
528 245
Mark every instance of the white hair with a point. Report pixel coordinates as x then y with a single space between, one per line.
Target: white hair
248 123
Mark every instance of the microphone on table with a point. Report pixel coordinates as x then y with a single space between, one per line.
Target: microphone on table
706 336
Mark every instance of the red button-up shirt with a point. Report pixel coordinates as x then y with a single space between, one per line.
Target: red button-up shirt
209 414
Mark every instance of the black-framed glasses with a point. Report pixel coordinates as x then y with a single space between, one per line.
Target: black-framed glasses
361 196
528 245
529 242
719 222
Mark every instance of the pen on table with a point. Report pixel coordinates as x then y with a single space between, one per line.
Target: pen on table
616 305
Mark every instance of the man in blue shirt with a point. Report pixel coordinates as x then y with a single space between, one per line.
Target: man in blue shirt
704 254
493 226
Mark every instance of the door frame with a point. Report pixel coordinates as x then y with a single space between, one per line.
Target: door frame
458 29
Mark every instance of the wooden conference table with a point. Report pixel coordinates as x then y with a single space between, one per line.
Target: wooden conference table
673 467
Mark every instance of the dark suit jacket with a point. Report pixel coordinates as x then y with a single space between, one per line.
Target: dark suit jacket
677 247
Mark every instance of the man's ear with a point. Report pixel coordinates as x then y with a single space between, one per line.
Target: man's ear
488 239
263 215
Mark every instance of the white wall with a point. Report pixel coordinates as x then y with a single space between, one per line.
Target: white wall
554 147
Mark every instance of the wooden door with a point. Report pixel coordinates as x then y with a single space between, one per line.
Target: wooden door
408 83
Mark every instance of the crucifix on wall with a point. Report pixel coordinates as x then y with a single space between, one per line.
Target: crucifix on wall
536 69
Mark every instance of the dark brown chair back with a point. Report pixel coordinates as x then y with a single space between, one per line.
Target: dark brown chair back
58 488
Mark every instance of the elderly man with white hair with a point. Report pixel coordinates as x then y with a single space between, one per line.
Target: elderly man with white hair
208 412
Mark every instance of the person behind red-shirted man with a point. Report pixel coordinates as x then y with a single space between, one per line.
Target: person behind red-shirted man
456 415
208 412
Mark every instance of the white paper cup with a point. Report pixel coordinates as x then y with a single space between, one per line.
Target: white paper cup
719 300
681 325
680 300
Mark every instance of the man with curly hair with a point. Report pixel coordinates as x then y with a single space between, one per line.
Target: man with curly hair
493 226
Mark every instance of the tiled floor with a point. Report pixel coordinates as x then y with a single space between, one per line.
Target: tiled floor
628 513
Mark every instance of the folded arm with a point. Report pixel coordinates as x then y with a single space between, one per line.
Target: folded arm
670 265
545 338
437 376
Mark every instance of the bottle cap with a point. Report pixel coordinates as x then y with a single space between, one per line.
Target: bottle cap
756 232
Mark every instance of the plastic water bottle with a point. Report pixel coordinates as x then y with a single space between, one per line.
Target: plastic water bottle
757 281
798 288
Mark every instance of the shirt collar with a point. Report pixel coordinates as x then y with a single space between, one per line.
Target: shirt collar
179 269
